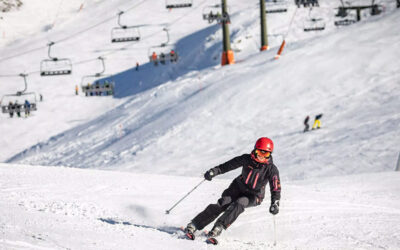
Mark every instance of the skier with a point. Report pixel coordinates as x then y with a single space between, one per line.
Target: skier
17 107
306 124
247 190
76 90
27 108
11 109
317 122
154 58
137 66
162 58
173 56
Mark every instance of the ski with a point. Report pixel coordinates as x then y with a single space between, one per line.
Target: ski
212 240
188 236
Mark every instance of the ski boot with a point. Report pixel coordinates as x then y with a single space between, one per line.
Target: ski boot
215 231
189 231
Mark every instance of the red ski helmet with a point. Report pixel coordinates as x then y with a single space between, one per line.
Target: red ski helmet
264 144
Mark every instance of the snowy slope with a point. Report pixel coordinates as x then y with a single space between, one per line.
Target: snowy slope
90 29
67 208
349 80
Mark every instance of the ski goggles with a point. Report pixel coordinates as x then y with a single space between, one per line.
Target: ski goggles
263 153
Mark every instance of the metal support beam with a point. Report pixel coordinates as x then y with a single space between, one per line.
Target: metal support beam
263 19
227 53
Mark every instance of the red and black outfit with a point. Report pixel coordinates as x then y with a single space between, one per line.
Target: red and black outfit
246 190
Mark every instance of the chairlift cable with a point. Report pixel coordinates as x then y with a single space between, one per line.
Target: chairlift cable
58 12
70 36
91 27
290 24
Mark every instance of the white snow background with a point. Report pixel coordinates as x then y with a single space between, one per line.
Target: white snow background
99 172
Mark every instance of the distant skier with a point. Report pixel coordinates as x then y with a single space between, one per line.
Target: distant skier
317 122
173 56
247 190
27 108
154 58
11 109
76 90
17 108
162 58
137 66
306 124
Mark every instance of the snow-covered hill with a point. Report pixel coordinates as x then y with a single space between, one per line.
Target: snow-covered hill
166 125
66 208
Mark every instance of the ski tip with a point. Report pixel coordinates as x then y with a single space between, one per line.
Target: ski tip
190 236
212 241
166 211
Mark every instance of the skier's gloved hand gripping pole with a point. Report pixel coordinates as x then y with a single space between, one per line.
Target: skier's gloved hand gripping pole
207 176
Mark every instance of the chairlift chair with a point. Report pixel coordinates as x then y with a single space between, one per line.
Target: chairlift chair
162 54
124 33
97 84
20 97
55 66
276 6
343 17
169 4
313 23
212 13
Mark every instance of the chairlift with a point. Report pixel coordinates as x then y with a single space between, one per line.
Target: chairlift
307 3
276 6
313 23
98 84
343 18
124 33
212 13
14 103
55 66
169 4
162 54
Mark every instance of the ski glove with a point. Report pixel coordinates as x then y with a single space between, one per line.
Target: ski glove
274 208
209 175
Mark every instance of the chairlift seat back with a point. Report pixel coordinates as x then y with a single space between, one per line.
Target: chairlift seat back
50 67
178 4
128 34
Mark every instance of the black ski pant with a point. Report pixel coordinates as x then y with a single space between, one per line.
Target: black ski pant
232 202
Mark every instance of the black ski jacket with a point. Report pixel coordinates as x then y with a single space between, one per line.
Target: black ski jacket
254 176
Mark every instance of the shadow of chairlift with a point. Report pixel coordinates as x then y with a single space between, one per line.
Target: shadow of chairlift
55 66
95 85
124 33
20 96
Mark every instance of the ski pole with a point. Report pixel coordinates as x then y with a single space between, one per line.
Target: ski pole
169 210
274 230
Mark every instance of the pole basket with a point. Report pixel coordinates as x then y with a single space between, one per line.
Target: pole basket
280 50
227 58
